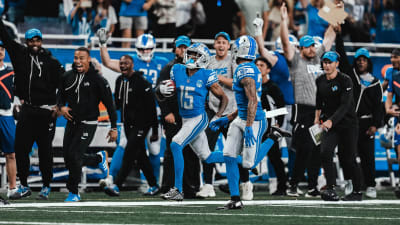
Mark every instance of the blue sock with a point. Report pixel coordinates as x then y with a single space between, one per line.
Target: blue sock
155 163
215 157
179 164
232 172
263 151
116 161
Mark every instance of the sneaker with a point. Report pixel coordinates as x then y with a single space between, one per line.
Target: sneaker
206 191
173 194
312 193
3 201
224 188
152 191
21 192
232 205
73 198
103 165
279 132
348 188
13 193
294 191
397 192
108 181
370 192
354 196
44 193
246 190
329 195
279 193
112 190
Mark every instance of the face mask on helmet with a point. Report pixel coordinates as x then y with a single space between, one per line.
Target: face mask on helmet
197 56
145 47
244 47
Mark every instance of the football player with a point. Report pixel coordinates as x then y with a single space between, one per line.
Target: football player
192 83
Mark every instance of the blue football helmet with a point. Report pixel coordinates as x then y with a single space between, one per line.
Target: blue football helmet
145 41
197 55
292 40
244 47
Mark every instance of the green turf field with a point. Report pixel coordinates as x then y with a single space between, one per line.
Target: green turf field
132 208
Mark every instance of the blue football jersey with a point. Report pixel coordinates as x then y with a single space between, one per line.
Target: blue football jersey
151 70
280 75
242 71
192 91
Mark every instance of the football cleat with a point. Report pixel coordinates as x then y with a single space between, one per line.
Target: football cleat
12 193
279 193
73 197
112 190
206 191
108 181
329 195
44 193
294 191
354 196
21 192
232 205
370 192
312 193
173 194
152 191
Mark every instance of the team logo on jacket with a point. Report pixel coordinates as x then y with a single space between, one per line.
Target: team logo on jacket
335 88
86 84
199 83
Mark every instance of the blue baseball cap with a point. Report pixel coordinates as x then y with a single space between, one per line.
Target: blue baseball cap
362 52
224 35
1 44
306 41
331 56
31 33
182 40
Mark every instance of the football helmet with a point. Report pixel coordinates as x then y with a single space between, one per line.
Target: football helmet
197 55
145 42
244 47
292 40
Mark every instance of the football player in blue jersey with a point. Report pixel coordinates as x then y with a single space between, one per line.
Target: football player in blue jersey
151 65
248 121
192 83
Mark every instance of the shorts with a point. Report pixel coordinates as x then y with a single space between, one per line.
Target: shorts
140 23
193 133
7 134
234 144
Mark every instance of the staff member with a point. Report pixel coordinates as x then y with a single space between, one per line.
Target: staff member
36 80
335 108
82 88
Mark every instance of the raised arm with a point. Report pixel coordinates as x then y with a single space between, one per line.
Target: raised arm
112 64
223 100
258 24
329 38
288 49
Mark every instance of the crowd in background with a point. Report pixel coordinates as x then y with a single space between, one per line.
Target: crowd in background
368 21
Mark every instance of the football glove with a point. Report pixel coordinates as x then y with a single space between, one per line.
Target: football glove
221 122
258 23
248 136
102 36
167 88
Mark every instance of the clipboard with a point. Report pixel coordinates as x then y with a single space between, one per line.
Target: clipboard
332 14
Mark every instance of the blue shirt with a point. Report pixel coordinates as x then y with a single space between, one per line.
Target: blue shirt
151 70
242 71
192 91
81 25
316 25
279 74
387 25
134 8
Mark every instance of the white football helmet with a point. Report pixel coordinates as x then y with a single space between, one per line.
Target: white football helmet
145 41
292 40
244 47
202 56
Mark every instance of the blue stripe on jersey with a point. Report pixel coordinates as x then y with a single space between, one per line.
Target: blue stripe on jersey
242 71
252 50
199 128
261 130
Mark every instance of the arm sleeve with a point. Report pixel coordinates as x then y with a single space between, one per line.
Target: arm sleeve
345 101
318 103
117 93
61 100
107 99
377 111
344 64
14 49
151 104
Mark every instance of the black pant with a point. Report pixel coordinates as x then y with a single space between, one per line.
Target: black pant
77 138
135 151
275 157
366 151
212 137
191 173
34 124
347 138
307 153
